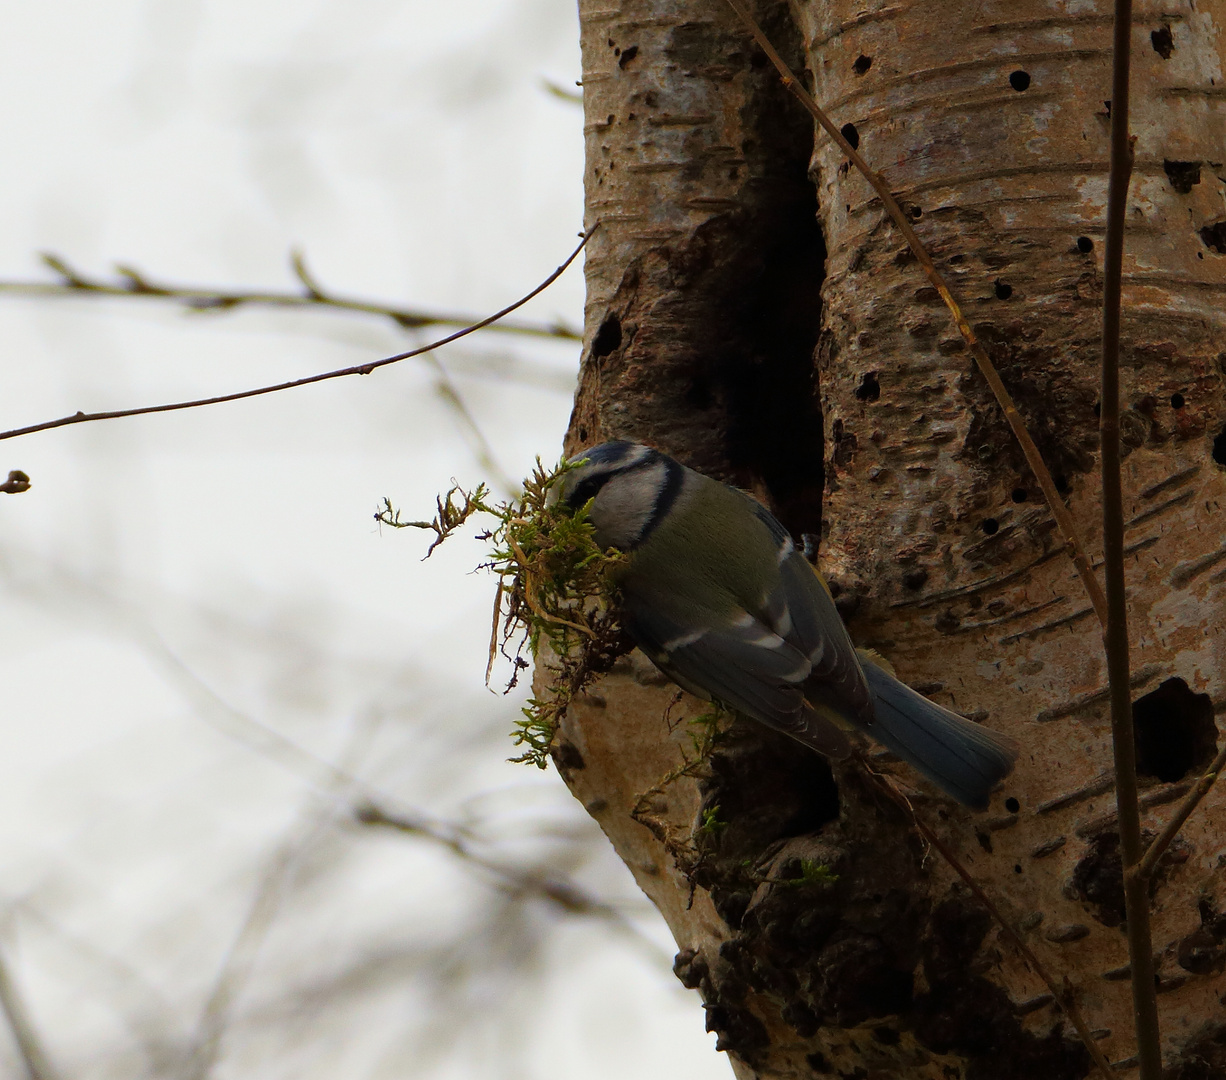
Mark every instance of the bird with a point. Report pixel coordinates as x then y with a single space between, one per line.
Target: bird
716 593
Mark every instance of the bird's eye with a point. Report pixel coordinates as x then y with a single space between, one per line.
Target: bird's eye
584 490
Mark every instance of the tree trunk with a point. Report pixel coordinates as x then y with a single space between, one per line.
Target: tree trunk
738 264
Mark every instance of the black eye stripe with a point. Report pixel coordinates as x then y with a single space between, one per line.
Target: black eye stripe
587 489
590 486
674 475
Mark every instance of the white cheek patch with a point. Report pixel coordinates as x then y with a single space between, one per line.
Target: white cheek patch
623 511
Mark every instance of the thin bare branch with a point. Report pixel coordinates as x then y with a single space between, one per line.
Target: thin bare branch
1064 520
29 1046
1145 868
1063 991
357 369
447 390
1115 636
275 881
134 284
574 97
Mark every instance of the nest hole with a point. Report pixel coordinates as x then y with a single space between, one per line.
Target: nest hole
608 337
1175 731
1219 447
1214 237
1162 41
1020 80
850 133
861 64
1183 175
869 388
1003 290
1085 245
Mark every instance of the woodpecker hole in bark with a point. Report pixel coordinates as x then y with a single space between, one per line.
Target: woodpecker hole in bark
1175 731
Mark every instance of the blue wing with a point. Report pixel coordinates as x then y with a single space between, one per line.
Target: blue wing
746 666
802 612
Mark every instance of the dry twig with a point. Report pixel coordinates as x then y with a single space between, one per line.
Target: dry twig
1062 992
357 369
1115 637
33 1057
133 284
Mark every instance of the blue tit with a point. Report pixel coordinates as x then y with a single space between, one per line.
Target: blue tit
715 592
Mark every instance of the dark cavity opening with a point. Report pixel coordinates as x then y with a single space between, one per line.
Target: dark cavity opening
851 135
1219 447
1085 245
1003 290
753 290
861 64
1019 495
990 526
1062 484
608 337
1162 41
1214 237
1177 401
1183 175
1020 80
869 388
1175 731
1012 805
628 55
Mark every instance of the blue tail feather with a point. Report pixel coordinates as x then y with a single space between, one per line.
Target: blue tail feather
963 759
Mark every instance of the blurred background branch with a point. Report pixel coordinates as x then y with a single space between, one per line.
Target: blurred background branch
131 283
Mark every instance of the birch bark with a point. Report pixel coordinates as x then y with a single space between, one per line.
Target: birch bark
751 311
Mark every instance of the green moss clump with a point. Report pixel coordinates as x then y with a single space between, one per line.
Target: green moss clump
555 595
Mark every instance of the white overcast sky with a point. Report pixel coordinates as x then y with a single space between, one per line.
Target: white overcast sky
197 609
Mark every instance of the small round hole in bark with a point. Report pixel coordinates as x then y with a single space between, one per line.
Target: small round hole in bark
1177 401
1020 80
1162 41
1012 805
1214 237
861 64
1017 868
1183 175
1019 495
1003 290
869 388
916 212
990 526
1085 245
1219 447
1098 409
1175 731
850 133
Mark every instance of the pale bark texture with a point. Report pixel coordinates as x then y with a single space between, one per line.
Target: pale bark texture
752 311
